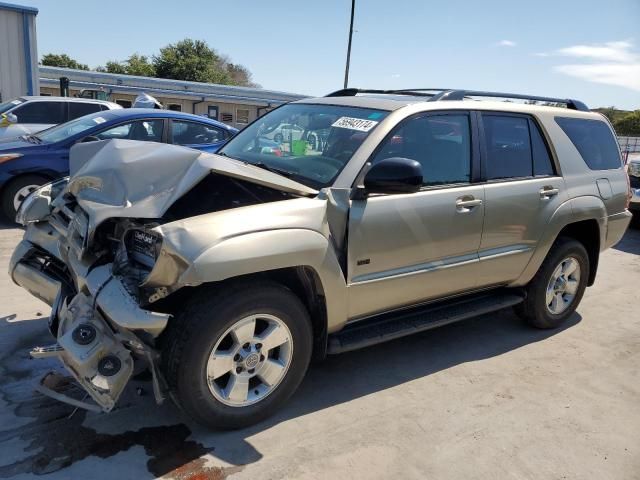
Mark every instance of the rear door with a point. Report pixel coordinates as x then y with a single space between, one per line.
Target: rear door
522 191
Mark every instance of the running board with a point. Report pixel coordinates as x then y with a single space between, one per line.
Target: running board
389 326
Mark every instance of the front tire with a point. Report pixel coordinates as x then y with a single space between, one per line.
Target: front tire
557 288
17 190
234 357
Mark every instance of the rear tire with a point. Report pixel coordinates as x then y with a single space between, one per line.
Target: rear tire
557 288
209 353
16 191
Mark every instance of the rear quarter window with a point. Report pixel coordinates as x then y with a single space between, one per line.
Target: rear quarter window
594 140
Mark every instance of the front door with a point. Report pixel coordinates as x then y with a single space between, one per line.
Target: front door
404 249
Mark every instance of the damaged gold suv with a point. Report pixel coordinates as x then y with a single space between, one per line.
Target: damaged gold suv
375 214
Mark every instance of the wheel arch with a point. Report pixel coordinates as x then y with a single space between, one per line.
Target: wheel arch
302 260
583 219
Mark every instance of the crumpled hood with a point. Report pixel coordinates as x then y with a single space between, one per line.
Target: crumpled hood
126 178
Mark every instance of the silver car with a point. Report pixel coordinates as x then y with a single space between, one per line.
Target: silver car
31 114
224 275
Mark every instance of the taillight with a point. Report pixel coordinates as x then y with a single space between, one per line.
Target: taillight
629 193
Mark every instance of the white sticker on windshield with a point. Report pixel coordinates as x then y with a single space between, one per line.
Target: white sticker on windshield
99 120
16 102
354 124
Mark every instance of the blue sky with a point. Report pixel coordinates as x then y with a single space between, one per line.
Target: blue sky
587 49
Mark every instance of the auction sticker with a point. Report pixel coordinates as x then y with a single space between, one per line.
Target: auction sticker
99 120
359 124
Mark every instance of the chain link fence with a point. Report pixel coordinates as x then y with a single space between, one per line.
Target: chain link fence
629 145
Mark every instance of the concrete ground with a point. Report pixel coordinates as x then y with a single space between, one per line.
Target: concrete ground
484 399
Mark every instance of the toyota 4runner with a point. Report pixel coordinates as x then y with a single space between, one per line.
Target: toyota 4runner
224 275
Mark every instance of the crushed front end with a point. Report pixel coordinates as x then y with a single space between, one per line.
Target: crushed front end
93 286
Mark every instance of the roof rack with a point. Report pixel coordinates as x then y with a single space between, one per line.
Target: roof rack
438 94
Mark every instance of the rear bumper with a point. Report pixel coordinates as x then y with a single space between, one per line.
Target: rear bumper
616 227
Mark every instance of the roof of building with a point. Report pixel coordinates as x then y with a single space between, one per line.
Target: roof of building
48 98
112 82
18 8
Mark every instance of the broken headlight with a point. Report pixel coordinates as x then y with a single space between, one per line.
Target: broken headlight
36 206
143 246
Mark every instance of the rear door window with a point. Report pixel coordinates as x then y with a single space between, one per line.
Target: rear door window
40 112
594 140
80 109
508 147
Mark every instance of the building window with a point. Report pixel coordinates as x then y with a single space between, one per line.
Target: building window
123 103
227 117
176 107
242 115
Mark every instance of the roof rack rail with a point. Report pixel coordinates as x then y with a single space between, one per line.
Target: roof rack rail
438 94
352 92
461 94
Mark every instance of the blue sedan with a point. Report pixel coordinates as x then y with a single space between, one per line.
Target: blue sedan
33 160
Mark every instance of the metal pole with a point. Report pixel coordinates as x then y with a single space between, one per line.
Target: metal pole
346 70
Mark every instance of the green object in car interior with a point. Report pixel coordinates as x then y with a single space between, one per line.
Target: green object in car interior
299 147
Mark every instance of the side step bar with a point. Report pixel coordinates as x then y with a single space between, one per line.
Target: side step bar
389 326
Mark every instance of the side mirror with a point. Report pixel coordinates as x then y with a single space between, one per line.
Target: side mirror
394 175
7 119
88 138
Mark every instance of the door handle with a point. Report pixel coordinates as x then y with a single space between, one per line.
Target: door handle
548 192
466 205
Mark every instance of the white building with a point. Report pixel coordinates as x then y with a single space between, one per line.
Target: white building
235 106
18 52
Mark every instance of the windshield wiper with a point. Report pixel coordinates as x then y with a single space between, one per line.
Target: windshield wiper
31 139
264 166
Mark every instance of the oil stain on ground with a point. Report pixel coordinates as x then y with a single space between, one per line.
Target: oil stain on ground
58 439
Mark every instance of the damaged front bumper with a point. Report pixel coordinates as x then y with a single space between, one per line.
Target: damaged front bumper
101 330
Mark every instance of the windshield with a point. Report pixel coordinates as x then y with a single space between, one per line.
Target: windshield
308 143
74 127
9 105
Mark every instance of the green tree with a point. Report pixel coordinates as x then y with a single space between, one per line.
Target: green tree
113 67
191 60
628 124
240 75
62 60
139 65
136 64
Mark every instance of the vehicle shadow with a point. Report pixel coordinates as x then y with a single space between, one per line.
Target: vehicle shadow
6 224
630 243
61 437
349 376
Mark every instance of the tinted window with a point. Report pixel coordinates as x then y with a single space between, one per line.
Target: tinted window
190 133
594 141
508 147
77 109
40 112
541 159
144 130
440 143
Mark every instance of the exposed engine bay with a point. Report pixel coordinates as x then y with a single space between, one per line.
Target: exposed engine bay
104 268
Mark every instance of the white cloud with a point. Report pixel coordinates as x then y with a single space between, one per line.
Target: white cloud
620 74
611 63
609 52
395 75
506 43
